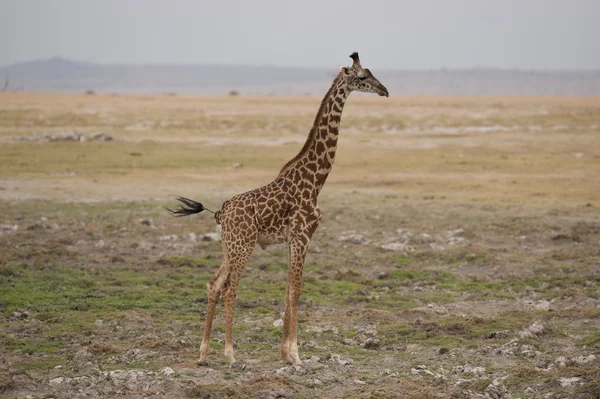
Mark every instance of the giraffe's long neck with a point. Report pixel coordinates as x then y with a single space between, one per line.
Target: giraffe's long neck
314 162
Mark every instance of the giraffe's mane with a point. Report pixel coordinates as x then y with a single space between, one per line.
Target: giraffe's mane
315 126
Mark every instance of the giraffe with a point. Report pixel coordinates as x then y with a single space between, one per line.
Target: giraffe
284 210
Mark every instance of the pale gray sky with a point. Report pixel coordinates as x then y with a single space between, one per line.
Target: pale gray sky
526 34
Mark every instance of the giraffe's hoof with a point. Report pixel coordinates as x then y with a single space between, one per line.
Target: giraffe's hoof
202 363
238 366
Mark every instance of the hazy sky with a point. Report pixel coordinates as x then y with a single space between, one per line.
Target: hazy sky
527 34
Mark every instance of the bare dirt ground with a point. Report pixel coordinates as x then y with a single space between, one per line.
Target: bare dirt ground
458 255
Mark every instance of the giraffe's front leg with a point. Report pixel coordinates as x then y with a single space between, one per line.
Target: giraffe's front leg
284 347
289 341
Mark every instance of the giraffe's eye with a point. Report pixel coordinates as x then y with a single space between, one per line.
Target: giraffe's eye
362 77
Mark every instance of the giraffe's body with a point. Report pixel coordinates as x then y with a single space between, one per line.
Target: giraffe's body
284 210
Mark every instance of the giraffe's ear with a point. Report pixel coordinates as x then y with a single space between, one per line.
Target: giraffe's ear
346 70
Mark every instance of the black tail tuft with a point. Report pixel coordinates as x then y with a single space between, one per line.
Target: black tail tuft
189 207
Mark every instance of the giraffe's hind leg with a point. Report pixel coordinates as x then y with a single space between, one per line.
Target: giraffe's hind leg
214 288
238 262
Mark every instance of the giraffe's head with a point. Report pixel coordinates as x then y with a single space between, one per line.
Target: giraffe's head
359 79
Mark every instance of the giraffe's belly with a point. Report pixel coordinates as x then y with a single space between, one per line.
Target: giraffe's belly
270 237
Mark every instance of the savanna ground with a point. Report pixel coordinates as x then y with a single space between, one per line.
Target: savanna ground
487 285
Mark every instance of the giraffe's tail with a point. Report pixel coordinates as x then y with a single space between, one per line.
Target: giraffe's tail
189 207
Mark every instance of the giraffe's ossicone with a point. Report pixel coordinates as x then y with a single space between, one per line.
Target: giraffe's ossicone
284 210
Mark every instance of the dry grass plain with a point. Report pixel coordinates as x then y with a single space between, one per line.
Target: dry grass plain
489 288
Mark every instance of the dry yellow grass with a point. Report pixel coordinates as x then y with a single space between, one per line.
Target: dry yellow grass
492 148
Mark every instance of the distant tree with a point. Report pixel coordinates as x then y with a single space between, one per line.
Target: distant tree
233 93
90 92
6 83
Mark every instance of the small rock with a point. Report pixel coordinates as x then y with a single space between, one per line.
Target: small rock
422 369
210 237
100 244
359 382
237 165
397 247
582 360
542 305
497 390
561 362
101 137
21 315
168 371
371 343
191 237
278 323
499 334
168 237
83 356
59 367
383 275
475 370
146 221
567 382
56 381
534 330
335 358
352 238
98 323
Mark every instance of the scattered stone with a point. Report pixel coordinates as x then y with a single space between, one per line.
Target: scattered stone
101 137
370 331
82 356
146 221
539 305
291 369
583 360
397 247
237 165
335 358
422 369
21 315
359 382
475 370
561 362
534 330
454 237
135 355
210 237
371 343
499 334
191 237
59 367
352 237
98 323
278 323
56 381
443 350
391 373
168 371
168 237
9 227
100 244
383 275
497 390
567 382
